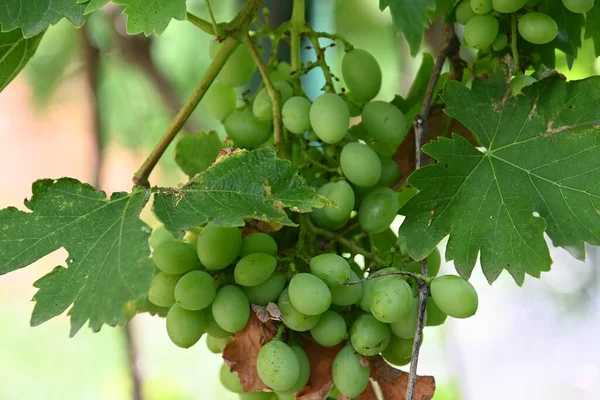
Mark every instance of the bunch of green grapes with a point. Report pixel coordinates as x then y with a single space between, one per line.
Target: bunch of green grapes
211 277
485 20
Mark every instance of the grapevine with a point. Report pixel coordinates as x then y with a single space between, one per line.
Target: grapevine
279 249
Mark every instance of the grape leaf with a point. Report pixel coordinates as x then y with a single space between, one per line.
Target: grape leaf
151 16
410 19
540 156
93 5
195 153
33 16
244 184
592 27
15 52
108 263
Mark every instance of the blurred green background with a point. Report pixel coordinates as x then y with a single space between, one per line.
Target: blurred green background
530 343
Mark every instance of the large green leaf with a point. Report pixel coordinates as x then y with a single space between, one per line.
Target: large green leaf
33 16
410 18
15 52
147 16
246 184
541 157
108 263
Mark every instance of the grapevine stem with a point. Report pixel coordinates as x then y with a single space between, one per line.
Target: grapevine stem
450 47
202 23
228 46
513 42
346 242
420 279
320 52
215 26
271 90
298 23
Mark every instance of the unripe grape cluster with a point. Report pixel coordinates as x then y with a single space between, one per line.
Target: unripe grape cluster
209 280
485 21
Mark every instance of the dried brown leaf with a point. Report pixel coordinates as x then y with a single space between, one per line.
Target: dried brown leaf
321 380
240 356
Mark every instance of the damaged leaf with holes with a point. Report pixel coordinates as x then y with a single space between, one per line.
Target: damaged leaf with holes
108 263
537 171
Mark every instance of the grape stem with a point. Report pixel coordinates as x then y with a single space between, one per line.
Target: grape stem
201 23
239 23
346 242
298 24
420 279
321 62
513 42
213 20
449 49
274 95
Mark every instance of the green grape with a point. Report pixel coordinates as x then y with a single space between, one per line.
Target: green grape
349 375
212 328
330 330
481 6
362 74
464 12
359 132
378 210
533 3
500 42
385 123
435 316
195 290
342 194
231 308
481 31
454 296
293 318
508 6
369 336
329 117
246 130
578 6
191 236
162 289
318 215
357 269
360 164
281 72
365 301
296 115
218 246
185 327
277 365
159 235
175 257
258 243
230 379
304 374
347 295
519 82
217 345
434 262
262 106
309 294
266 292
391 299
254 269
331 269
399 351
390 172
238 69
405 327
537 28
384 241
220 100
